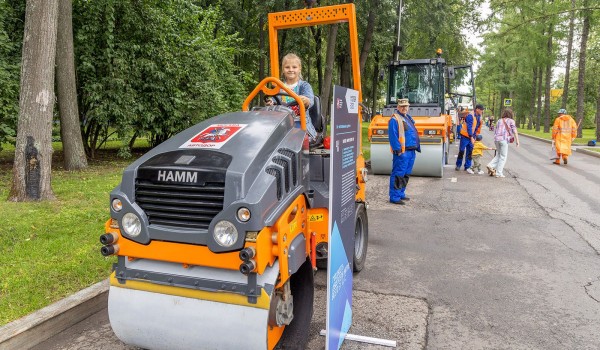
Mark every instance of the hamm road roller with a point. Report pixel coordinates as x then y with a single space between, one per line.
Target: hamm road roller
218 230
433 89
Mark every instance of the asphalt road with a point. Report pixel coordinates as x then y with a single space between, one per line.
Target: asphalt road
472 262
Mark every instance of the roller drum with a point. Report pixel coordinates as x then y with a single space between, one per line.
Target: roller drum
164 318
381 159
430 162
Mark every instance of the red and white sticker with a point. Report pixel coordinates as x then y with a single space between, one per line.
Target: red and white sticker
214 137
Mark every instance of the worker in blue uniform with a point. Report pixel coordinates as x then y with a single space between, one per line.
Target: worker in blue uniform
404 143
470 128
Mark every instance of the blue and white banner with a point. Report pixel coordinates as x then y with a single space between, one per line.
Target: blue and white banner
342 190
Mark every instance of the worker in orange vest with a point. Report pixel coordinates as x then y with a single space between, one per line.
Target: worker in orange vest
404 143
564 132
469 129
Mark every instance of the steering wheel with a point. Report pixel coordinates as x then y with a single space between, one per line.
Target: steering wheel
277 98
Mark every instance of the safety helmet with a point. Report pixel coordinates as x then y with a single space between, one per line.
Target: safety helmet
562 111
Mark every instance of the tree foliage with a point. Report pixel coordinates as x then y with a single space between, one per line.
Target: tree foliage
516 50
9 71
152 67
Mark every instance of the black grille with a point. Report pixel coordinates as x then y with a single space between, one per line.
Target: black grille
292 156
180 205
277 174
286 173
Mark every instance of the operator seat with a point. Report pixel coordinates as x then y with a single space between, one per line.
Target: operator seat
318 122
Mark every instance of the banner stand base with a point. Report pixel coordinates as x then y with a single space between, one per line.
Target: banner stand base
363 339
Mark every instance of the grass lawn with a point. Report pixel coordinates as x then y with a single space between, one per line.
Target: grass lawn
366 145
588 134
51 249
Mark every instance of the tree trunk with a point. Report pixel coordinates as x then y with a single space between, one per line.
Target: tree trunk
345 71
581 79
548 80
539 99
33 149
329 59
374 90
532 101
261 54
565 96
70 131
598 115
317 33
368 39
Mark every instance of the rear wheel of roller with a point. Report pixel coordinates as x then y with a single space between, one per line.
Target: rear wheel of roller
361 237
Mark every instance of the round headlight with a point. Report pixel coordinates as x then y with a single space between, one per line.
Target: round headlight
117 205
225 233
243 214
380 132
131 224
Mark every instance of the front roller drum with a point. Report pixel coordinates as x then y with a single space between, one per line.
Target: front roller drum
162 320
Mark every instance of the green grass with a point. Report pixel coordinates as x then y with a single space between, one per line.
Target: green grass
593 149
366 145
51 249
588 134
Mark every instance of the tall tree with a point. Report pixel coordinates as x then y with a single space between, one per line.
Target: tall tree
548 79
598 114
329 58
368 35
565 96
33 149
585 31
539 99
532 101
66 90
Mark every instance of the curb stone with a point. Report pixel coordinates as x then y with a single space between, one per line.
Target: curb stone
588 152
578 147
40 325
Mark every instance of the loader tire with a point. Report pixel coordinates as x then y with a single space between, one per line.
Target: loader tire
361 237
296 334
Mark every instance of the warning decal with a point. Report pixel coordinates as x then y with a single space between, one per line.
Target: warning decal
214 137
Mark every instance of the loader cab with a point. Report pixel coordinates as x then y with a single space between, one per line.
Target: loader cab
430 83
420 81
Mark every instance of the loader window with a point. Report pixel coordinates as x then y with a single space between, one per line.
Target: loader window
420 83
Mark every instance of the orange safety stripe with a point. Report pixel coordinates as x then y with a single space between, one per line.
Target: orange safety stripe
401 137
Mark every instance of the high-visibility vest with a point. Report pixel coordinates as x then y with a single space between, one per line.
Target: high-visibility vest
563 126
478 130
463 127
401 137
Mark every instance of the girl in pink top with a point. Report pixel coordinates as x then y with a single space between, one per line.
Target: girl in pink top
504 130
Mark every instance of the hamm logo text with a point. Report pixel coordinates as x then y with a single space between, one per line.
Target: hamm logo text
177 176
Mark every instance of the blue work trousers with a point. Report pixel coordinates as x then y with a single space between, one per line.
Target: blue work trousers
465 146
401 169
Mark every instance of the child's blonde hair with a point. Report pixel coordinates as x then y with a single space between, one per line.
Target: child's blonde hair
291 57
